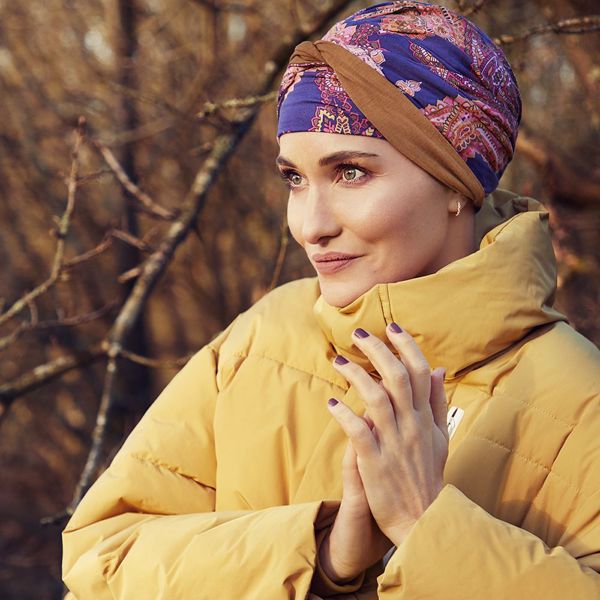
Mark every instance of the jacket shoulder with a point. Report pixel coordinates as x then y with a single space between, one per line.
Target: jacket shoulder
564 355
280 327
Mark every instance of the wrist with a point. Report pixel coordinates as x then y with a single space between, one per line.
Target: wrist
398 534
334 572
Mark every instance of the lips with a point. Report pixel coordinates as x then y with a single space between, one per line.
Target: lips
332 262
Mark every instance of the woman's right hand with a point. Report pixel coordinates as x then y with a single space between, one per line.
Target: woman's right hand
355 542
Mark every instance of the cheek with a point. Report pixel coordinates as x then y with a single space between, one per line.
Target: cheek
294 219
382 221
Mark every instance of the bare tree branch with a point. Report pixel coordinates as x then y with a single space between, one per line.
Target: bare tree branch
560 179
94 455
126 237
219 5
154 363
210 107
60 233
92 176
38 326
566 26
45 373
147 204
474 8
104 245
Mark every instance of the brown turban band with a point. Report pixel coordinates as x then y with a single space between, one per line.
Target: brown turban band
395 117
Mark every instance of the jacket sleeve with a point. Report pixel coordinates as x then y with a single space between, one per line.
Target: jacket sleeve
147 528
457 550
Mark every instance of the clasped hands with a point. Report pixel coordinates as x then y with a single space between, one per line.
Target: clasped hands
394 462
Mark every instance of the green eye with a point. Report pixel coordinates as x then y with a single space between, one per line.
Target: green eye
350 174
295 179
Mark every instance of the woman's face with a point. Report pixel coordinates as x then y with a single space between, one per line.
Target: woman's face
363 213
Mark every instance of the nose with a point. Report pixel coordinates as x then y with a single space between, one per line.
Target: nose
320 219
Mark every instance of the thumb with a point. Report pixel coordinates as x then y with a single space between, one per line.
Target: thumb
353 486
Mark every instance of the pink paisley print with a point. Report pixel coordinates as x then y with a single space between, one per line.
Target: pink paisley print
337 114
355 38
467 125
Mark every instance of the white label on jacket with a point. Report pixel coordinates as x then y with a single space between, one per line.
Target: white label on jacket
455 415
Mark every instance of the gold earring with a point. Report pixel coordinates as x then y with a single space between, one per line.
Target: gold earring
458 209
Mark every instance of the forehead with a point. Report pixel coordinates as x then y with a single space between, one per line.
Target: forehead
324 148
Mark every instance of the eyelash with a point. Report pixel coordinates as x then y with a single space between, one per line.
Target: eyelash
286 174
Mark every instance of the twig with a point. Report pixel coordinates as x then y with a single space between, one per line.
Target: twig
126 237
219 5
149 205
130 274
83 179
471 10
566 26
98 435
209 107
60 233
36 326
45 373
153 363
564 184
104 245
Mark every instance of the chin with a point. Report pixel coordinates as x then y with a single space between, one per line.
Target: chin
341 294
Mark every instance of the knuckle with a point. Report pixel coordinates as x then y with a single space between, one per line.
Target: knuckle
379 398
400 377
421 369
359 431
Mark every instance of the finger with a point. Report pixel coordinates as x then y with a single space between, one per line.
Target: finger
376 399
415 363
395 377
372 427
439 405
354 427
368 420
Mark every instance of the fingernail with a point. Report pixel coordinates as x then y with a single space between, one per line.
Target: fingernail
395 327
360 333
340 360
332 402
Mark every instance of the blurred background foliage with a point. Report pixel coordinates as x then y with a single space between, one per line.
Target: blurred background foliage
146 75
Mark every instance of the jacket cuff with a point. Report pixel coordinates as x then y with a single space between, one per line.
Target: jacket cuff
399 573
322 585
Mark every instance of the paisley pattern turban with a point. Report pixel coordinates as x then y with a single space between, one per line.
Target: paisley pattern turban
418 75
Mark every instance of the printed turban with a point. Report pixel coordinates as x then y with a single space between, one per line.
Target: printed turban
427 80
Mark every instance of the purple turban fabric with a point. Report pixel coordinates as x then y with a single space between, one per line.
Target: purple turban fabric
444 64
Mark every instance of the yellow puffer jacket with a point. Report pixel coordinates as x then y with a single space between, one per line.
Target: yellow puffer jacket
219 492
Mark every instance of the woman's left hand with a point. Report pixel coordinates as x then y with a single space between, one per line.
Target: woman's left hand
401 457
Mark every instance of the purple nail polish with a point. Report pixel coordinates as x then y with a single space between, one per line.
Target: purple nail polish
332 402
395 327
361 333
340 360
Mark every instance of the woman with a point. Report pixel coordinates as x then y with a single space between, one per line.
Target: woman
309 439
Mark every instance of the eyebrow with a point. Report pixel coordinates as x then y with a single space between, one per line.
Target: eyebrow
331 158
